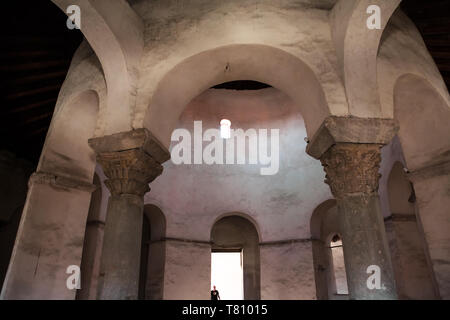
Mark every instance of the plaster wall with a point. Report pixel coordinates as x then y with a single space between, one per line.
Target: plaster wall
188 271
193 197
433 203
287 271
175 32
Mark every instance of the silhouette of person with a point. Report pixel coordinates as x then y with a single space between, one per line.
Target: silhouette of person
215 294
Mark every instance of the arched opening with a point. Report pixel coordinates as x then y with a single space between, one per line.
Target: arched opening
328 253
424 115
290 97
401 193
66 151
237 234
407 245
338 265
153 254
260 63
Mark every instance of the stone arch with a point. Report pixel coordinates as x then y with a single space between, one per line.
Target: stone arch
395 61
407 245
261 63
66 151
423 115
115 32
153 254
242 215
400 191
236 232
357 50
324 226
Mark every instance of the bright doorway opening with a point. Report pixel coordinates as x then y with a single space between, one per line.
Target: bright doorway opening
227 274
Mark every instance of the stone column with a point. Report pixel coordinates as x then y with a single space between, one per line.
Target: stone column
129 172
352 174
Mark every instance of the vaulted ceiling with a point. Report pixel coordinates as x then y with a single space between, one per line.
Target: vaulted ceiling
36 50
432 18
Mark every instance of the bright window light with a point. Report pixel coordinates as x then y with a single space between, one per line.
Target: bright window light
225 129
340 277
227 275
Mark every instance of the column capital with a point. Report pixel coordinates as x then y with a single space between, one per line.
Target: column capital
129 172
130 160
351 130
352 168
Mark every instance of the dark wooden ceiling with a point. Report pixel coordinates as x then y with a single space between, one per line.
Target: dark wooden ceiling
432 18
36 50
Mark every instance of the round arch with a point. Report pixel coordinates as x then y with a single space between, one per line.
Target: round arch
423 116
242 215
324 226
261 63
66 151
237 232
153 254
115 32
400 191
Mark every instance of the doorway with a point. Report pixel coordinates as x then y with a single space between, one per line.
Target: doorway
227 274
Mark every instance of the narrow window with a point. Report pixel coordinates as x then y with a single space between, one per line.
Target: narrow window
337 254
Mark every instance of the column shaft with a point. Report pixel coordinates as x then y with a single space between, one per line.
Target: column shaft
352 173
119 275
365 244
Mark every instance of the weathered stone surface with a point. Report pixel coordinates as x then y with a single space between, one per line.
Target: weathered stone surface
365 244
129 172
130 160
352 173
352 168
139 138
61 182
288 272
187 258
119 270
335 130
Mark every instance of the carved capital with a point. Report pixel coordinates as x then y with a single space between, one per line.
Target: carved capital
129 171
352 168
130 160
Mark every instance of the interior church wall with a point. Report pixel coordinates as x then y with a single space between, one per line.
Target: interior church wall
281 205
207 25
414 276
287 271
193 197
188 270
